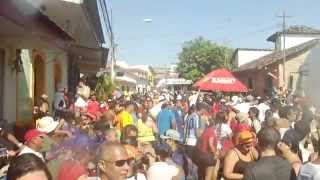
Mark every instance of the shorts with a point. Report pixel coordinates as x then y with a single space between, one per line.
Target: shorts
203 159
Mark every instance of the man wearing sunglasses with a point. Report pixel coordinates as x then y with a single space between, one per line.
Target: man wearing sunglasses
113 161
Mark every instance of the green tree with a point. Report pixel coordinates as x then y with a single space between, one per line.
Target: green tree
104 87
199 57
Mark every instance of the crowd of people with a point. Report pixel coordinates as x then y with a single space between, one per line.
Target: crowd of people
168 136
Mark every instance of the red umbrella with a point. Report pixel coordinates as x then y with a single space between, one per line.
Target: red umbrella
220 80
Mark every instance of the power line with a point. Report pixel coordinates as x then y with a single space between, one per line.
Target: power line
248 34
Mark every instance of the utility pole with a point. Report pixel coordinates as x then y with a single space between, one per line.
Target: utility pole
284 16
111 38
114 48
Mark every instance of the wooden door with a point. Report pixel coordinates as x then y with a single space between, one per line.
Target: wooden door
39 77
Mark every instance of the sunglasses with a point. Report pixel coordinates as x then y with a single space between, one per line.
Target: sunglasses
120 163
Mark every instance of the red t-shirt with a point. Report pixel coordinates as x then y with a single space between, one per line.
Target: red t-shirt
93 107
208 133
71 170
239 127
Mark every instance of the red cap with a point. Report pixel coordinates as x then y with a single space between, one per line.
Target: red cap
33 133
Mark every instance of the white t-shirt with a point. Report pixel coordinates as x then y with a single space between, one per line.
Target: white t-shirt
309 171
162 171
225 130
243 107
139 177
262 107
256 125
27 150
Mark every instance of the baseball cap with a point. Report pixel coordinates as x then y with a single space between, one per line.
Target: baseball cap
245 137
171 134
33 133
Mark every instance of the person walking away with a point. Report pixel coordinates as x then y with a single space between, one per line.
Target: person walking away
179 115
262 107
192 131
269 166
125 116
207 153
223 131
165 119
287 118
274 108
238 158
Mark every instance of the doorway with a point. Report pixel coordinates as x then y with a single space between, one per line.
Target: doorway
39 78
57 74
268 85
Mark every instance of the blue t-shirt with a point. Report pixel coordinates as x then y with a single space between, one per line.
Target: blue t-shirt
164 120
179 120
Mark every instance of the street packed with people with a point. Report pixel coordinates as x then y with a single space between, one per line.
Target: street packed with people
167 135
159 90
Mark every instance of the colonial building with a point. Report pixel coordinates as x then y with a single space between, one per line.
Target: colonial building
44 44
262 70
133 78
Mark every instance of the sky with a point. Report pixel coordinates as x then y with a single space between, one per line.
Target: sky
234 23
